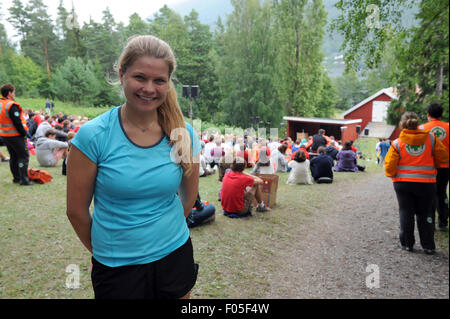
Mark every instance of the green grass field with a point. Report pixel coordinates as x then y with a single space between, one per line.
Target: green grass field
64 107
235 255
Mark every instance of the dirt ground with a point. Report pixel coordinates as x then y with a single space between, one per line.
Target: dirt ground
340 253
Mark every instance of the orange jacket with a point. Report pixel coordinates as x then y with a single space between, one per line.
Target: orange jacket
7 128
328 139
414 157
440 130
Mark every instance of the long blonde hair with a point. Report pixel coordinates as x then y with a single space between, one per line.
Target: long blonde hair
170 117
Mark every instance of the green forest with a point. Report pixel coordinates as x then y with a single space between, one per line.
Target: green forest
266 59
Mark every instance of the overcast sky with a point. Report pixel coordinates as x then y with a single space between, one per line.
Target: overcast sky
120 9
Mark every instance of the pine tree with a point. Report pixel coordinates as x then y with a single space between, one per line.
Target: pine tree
36 29
136 26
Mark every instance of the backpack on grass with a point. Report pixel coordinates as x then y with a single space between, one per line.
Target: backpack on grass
39 176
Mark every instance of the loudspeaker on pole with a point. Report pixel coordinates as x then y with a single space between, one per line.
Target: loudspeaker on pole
186 90
195 91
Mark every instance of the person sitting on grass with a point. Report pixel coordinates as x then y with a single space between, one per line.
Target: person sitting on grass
321 167
263 165
277 157
300 173
346 159
239 189
203 170
49 151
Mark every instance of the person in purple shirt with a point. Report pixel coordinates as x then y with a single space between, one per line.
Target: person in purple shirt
346 159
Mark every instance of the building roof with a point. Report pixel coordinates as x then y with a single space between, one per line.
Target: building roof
321 120
389 92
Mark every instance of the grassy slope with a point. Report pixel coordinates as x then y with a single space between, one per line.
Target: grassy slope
64 107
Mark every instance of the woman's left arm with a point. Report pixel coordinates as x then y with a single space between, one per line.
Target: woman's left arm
188 190
391 162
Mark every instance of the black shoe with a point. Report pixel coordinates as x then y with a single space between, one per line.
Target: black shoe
410 249
442 227
26 182
429 251
16 181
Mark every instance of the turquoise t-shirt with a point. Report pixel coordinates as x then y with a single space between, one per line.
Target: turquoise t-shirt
138 217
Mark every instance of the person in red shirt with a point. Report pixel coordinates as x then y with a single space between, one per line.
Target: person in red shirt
239 189
37 118
302 148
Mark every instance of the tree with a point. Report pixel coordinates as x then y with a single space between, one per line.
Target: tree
169 26
36 29
4 43
300 77
198 68
75 81
325 106
136 26
420 67
247 65
351 90
423 64
367 28
103 41
24 73
19 19
69 33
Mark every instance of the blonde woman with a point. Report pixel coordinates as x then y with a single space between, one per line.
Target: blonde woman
140 163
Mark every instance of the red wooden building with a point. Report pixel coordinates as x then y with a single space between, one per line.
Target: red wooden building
367 119
341 129
373 112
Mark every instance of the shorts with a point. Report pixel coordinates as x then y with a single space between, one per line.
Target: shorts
171 277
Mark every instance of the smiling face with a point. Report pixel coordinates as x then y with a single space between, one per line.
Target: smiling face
145 83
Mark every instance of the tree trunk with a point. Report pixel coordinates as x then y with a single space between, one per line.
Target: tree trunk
46 57
439 80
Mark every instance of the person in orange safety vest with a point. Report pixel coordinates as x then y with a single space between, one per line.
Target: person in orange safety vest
13 131
411 163
441 131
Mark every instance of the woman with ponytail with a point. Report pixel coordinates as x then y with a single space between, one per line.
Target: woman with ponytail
139 162
411 163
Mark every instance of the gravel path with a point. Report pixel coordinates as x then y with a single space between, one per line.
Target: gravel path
330 256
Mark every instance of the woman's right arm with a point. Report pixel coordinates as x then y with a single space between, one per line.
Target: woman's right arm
81 175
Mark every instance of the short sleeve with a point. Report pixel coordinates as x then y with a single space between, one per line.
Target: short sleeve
250 181
86 140
195 143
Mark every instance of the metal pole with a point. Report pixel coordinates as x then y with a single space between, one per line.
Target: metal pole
190 110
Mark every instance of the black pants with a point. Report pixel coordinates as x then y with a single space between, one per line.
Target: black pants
416 199
171 277
441 200
18 156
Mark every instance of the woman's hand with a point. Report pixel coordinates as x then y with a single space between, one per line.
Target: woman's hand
189 187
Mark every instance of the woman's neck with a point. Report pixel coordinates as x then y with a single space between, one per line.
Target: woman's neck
141 119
